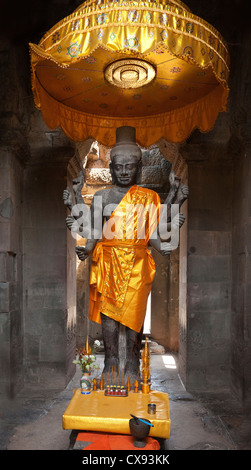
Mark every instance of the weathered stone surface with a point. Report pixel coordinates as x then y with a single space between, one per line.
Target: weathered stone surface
6 208
98 176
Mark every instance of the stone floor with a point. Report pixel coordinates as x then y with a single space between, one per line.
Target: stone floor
34 420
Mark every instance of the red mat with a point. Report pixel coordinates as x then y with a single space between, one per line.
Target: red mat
102 441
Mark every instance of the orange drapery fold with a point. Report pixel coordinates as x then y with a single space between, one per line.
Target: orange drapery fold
123 269
175 125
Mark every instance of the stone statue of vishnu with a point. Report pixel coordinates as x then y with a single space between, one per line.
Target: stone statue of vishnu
122 267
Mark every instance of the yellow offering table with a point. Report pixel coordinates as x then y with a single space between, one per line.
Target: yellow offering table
97 412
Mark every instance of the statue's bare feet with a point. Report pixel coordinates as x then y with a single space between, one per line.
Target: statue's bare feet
132 372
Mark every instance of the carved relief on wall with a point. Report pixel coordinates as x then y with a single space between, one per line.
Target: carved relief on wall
157 162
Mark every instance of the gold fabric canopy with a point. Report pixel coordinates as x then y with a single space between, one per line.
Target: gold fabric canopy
152 65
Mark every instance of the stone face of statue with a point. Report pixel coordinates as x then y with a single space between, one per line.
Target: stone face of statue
125 170
125 165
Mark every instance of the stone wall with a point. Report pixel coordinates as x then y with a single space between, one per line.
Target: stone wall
240 147
11 312
207 335
13 152
37 255
225 263
48 273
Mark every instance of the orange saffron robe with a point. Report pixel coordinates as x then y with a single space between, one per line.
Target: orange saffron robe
123 269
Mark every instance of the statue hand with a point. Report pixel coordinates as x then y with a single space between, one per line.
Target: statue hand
178 221
165 248
69 221
174 180
82 252
67 197
183 193
78 182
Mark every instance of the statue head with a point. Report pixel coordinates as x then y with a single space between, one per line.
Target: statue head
125 156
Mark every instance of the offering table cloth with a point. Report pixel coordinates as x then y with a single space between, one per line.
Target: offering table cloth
97 412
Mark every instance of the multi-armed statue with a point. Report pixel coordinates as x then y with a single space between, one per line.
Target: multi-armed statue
122 268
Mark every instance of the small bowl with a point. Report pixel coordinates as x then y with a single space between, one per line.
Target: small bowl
139 431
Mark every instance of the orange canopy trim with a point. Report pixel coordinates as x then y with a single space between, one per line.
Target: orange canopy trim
152 65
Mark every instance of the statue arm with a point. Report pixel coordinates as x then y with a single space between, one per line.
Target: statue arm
182 194
84 251
95 234
67 198
94 231
178 193
164 248
78 184
165 218
70 202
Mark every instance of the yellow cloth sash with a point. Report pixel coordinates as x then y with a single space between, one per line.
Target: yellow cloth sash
123 269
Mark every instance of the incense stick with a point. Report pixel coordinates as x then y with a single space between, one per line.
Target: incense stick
122 376
108 377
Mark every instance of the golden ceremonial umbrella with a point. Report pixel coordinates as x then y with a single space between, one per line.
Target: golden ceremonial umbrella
152 65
